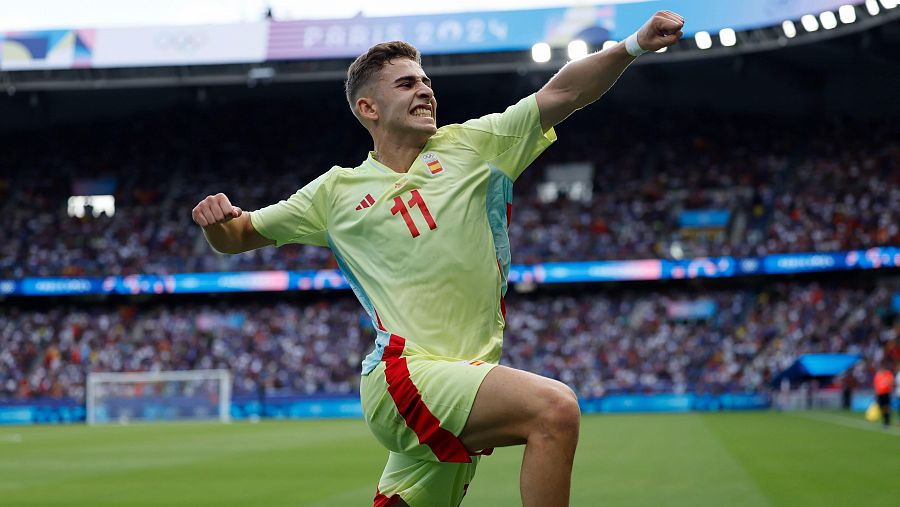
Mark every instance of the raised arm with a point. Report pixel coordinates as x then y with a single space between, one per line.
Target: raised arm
227 228
582 82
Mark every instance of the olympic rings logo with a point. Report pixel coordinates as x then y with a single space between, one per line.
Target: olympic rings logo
180 41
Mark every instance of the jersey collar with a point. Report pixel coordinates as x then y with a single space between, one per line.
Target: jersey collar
370 160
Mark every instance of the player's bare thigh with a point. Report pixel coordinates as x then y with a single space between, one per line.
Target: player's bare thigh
511 404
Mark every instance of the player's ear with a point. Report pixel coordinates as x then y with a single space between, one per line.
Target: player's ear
366 109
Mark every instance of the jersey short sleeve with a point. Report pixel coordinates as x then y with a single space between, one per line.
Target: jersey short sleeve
302 218
510 140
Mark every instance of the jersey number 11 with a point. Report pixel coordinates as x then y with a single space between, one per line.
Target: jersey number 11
400 207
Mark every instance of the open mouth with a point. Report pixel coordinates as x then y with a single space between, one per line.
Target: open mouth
423 112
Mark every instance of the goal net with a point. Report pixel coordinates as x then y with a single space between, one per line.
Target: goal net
158 396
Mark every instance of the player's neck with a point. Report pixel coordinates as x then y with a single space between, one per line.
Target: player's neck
397 157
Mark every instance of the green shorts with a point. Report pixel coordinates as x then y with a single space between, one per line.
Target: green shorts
417 405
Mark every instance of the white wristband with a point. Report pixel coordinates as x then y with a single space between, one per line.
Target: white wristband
632 47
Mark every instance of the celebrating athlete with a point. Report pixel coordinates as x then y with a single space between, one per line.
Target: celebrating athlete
419 230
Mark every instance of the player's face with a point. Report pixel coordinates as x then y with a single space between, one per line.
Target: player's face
406 99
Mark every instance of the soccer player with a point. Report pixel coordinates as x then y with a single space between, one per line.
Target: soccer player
419 230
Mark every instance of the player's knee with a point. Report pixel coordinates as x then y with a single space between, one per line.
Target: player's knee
560 414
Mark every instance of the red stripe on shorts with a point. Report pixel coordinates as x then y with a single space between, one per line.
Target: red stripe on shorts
383 501
409 403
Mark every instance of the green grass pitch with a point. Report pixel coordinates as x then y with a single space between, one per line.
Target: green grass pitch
734 459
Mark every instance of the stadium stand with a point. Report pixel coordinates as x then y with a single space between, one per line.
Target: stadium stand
598 342
800 168
830 187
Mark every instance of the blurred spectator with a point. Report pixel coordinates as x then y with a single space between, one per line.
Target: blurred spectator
596 342
825 187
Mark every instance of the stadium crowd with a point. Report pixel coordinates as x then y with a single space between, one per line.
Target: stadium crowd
596 342
826 187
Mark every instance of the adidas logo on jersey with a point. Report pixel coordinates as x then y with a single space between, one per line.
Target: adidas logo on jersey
366 202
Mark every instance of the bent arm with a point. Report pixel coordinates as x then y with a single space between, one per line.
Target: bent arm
235 236
584 81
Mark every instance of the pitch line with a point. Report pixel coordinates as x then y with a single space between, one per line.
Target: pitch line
15 438
849 423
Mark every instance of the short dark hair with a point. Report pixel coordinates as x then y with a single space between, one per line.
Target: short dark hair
368 64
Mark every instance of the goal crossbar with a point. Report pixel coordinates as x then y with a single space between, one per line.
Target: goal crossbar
222 377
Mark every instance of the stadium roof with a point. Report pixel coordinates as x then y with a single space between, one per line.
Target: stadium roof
850 70
90 68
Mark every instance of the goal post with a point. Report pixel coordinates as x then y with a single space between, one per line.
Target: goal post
158 396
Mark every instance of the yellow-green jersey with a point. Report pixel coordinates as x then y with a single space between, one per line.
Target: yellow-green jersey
426 251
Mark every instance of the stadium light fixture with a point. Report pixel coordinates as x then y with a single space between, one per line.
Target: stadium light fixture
810 23
847 14
540 52
872 7
704 41
727 37
889 4
610 43
790 30
578 49
829 21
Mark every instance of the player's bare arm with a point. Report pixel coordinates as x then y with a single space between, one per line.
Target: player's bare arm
227 228
584 81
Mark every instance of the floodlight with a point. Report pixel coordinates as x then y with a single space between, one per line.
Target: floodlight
578 49
790 31
889 4
847 14
704 41
829 21
872 7
540 52
809 23
727 37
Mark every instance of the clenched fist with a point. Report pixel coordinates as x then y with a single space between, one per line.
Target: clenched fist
215 209
661 31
